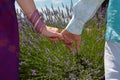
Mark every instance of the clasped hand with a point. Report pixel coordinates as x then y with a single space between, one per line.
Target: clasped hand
67 37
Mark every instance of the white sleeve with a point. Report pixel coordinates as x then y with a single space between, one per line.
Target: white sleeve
83 10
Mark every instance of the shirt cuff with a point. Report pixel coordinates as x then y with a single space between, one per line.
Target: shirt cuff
75 26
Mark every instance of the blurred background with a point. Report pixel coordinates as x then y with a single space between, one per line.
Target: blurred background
41 59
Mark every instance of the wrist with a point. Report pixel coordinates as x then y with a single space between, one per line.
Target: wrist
36 20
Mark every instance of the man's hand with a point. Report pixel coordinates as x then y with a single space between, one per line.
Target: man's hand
69 38
52 33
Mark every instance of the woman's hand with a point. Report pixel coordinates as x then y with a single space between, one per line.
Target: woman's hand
52 33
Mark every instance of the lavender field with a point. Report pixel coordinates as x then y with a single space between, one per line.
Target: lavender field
41 59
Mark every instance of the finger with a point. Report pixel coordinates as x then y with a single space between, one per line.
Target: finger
67 39
56 35
56 29
77 45
53 29
54 39
69 46
59 36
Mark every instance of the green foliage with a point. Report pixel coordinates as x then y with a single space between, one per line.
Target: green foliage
41 59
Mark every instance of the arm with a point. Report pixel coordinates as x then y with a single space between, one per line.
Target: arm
27 6
82 12
34 16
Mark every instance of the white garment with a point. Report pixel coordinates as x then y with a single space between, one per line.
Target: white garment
112 60
83 10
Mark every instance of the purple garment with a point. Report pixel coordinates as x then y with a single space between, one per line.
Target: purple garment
9 41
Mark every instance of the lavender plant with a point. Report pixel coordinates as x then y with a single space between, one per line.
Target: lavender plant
41 59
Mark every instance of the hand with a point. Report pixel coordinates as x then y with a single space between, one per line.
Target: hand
69 38
52 33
